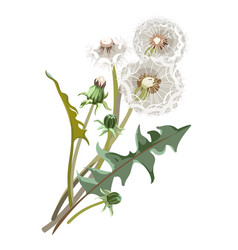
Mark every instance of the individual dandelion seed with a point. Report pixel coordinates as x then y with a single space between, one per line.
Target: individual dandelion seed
109 124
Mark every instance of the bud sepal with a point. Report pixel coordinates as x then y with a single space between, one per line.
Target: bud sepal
109 124
110 199
96 94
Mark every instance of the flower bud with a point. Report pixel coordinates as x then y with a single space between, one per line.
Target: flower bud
96 92
110 121
96 95
100 82
113 198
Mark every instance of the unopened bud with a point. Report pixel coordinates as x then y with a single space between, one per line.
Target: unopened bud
110 121
113 198
100 82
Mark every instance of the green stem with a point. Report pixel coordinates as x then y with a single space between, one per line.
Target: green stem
122 125
106 148
108 144
149 48
68 210
115 87
72 161
112 139
83 172
80 139
83 210
70 184
115 91
65 194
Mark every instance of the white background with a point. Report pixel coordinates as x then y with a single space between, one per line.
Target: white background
192 203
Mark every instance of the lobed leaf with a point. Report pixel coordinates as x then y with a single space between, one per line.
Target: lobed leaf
122 165
72 112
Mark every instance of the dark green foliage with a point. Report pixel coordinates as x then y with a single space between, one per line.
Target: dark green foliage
121 165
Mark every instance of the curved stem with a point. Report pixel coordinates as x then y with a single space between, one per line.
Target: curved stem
123 123
70 184
73 182
80 192
116 107
106 148
65 194
83 210
80 139
64 211
109 142
71 169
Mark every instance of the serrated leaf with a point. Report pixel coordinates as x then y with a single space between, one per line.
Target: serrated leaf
122 165
76 132
72 112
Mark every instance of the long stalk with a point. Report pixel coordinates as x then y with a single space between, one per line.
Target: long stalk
122 125
80 139
115 91
99 183
71 169
116 108
131 159
109 143
65 194
74 182
64 211
70 184
83 210
81 191
115 87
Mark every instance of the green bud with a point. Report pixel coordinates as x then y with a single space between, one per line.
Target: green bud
110 121
113 198
96 92
96 95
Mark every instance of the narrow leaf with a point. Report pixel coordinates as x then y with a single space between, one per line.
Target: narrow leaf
72 112
76 132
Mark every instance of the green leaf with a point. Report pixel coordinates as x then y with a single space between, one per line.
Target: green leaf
76 132
122 165
72 112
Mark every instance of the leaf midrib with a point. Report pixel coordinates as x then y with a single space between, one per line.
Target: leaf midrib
62 219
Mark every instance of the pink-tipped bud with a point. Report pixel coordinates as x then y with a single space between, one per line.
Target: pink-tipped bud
100 82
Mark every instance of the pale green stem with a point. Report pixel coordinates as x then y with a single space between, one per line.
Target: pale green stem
122 125
115 91
70 184
109 142
97 158
72 161
67 209
83 210
65 194
80 139
106 148
115 87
